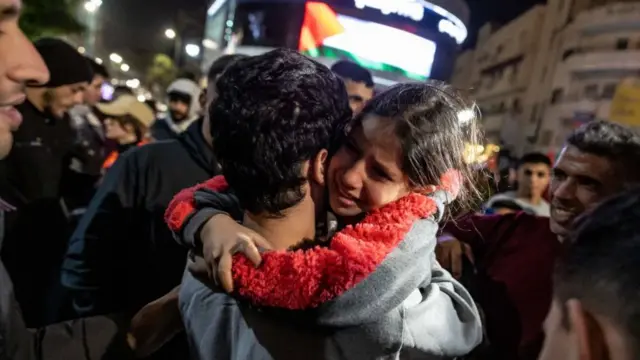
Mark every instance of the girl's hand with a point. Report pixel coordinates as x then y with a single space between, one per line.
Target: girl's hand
222 237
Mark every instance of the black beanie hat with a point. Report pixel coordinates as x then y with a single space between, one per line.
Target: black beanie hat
66 65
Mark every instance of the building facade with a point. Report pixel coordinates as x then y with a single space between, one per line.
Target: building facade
551 69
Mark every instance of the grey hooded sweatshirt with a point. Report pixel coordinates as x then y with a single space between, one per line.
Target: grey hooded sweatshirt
166 128
408 308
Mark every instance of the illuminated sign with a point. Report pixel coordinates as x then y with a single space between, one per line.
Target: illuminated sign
414 9
406 8
447 27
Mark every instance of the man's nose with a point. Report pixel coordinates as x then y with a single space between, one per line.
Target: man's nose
564 190
28 67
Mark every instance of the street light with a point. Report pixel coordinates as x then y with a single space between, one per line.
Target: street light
99 61
192 50
124 67
209 44
115 58
170 34
133 83
92 5
82 50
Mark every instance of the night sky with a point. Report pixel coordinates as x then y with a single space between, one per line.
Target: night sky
498 11
135 28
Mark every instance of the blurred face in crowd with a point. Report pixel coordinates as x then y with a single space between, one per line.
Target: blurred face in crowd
179 106
60 100
359 95
93 92
366 172
20 64
580 181
533 179
115 130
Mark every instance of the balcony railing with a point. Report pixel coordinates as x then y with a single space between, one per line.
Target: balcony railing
610 18
604 60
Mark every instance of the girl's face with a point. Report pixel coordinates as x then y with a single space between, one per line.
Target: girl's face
365 173
115 131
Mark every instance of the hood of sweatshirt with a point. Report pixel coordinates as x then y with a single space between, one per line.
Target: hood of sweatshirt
192 89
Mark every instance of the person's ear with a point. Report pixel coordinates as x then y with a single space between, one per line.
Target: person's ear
318 167
588 334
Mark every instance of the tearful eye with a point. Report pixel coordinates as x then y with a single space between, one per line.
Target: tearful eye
381 174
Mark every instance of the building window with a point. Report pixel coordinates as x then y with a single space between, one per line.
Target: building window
567 53
544 74
516 107
560 5
622 44
534 114
591 91
609 90
556 96
499 49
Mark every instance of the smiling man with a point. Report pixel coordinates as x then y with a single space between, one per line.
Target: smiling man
596 302
21 65
516 252
36 175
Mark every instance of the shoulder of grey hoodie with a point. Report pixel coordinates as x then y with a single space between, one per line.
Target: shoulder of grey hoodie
409 304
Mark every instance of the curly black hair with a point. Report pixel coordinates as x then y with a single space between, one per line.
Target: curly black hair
274 112
352 71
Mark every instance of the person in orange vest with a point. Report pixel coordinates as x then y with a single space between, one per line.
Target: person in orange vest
127 123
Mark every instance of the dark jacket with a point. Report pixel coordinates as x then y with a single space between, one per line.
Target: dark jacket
514 255
101 337
91 150
91 138
122 255
160 130
33 179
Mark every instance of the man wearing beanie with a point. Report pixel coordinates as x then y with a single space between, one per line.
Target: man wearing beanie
34 174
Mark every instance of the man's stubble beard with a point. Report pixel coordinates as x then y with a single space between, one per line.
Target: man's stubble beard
177 117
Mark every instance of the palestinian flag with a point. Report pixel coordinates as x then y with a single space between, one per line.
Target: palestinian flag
328 34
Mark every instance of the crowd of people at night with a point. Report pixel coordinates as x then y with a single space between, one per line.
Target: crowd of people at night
293 211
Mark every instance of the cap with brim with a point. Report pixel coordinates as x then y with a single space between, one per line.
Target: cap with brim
128 105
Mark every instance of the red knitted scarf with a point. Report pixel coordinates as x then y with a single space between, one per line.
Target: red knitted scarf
305 279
